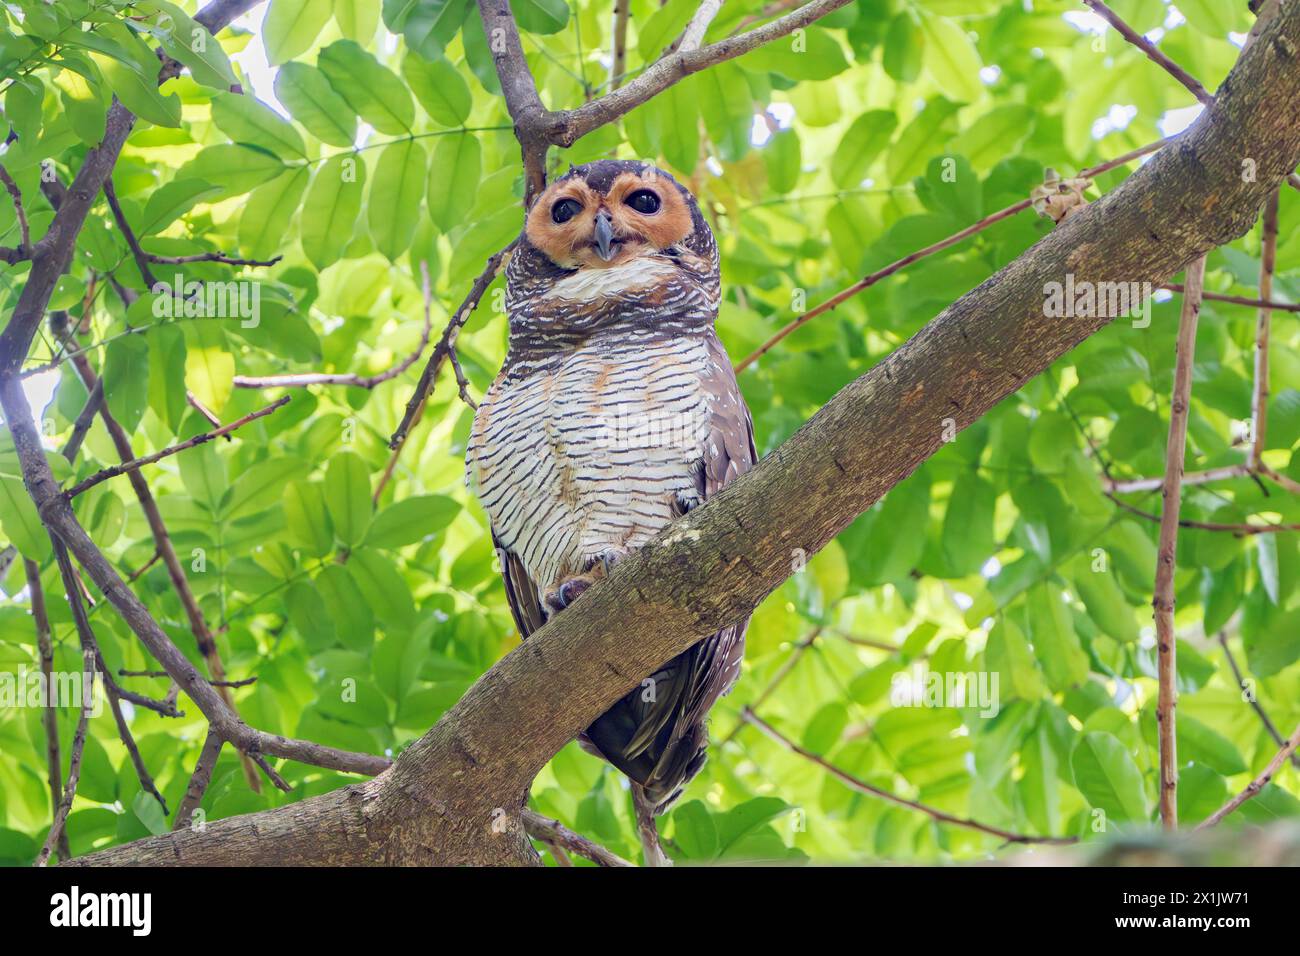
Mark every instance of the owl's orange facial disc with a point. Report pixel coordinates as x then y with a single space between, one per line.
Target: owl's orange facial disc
578 228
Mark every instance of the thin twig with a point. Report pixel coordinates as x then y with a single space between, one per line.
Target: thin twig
246 682
1256 785
557 834
1163 598
17 196
87 702
133 243
1272 304
49 716
868 281
1241 529
618 67
447 343
1151 50
1267 262
301 380
781 674
1249 695
863 787
220 257
137 463
199 780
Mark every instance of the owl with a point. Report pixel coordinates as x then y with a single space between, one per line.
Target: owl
616 411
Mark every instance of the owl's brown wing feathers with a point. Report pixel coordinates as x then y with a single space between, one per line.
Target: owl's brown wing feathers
521 592
661 742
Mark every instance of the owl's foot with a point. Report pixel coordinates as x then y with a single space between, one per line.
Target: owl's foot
557 599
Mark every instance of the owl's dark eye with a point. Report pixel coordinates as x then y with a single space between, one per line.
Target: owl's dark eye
643 201
564 210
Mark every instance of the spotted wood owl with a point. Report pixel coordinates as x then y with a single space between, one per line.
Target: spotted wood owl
616 411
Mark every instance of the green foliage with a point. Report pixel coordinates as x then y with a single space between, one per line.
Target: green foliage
366 605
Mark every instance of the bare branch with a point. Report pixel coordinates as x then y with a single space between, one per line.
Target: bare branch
1163 601
1267 262
304 379
141 257
1248 694
221 257
861 786
87 704
1152 51
137 463
49 716
1256 785
447 343
199 780
618 66
868 281
16 195
555 833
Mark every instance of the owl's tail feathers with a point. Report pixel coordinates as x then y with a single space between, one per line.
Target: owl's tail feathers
657 734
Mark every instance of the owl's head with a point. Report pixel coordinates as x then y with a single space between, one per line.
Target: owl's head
613 231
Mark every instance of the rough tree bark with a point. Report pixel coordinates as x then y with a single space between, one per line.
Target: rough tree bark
456 795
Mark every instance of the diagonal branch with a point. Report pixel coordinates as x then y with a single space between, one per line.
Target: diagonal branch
137 463
1152 51
861 786
49 716
1256 785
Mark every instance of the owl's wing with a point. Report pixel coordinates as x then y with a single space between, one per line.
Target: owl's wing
661 742
521 592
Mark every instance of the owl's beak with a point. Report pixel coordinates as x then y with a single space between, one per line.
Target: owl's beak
604 236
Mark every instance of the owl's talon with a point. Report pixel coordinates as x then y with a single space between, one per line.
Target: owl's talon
567 593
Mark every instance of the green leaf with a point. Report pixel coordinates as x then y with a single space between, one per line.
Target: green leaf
167 375
126 379
370 88
266 216
353 621
743 819
967 537
139 93
428 25
694 831
309 98
903 50
862 143
172 200
291 26
306 518
1104 772
260 487
782 157
235 169
357 19
382 586
20 522
248 120
951 58
190 43
1213 18
411 520
395 195
149 812
1055 643
347 494
439 87
331 210
453 179
808 54
1008 653
1266 553
541 16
